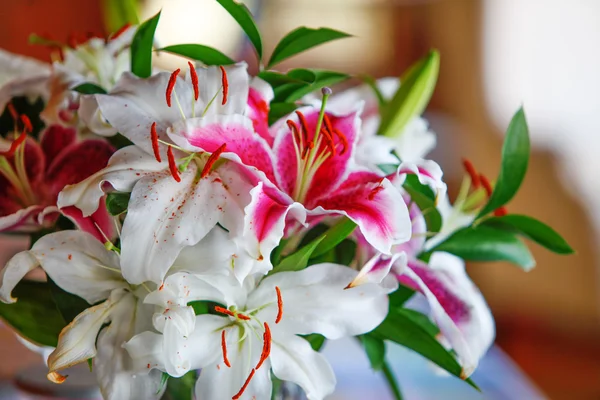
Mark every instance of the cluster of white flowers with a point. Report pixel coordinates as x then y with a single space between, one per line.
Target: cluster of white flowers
217 196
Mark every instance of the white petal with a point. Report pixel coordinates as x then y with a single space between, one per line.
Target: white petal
182 319
135 103
377 268
113 366
212 255
77 341
124 169
292 359
218 382
163 217
210 80
78 263
21 76
90 114
16 268
415 140
315 301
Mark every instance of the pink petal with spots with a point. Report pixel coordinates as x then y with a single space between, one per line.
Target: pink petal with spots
456 305
374 204
77 162
55 139
235 131
259 97
100 224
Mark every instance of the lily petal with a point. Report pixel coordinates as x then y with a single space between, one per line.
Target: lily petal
92 117
259 98
55 139
377 268
18 266
292 359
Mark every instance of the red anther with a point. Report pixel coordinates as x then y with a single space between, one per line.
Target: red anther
294 128
12 111
72 40
154 138
194 77
239 394
472 173
212 159
224 311
224 347
329 139
26 123
243 317
343 140
304 125
120 31
500 212
308 147
374 192
225 83
173 165
14 145
486 185
266 351
279 305
171 85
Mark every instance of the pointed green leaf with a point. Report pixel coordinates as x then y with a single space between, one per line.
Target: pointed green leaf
402 326
280 110
141 47
391 380
89 88
34 315
69 305
204 54
302 39
295 91
483 243
416 88
421 195
244 18
116 203
276 79
375 349
117 13
515 158
400 296
533 229
299 259
334 236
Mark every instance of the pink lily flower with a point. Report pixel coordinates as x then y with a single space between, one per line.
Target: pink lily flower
307 159
32 173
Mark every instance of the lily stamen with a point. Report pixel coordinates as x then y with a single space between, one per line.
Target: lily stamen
26 123
266 351
225 84
239 394
224 348
173 164
171 85
279 305
194 78
468 165
211 160
154 138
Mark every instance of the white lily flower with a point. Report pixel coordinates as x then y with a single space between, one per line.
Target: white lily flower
80 264
22 76
258 330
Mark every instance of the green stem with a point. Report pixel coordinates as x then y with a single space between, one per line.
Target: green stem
391 381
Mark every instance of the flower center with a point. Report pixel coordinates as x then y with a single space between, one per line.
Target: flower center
16 172
482 190
312 153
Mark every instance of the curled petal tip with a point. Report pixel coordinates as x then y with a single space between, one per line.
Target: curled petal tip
56 377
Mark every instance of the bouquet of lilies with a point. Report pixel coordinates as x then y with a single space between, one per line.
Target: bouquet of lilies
207 231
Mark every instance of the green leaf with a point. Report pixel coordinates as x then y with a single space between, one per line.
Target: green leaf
90 362
198 52
280 110
200 306
244 18
141 47
375 349
391 381
416 88
181 388
117 202
276 79
89 88
316 341
412 183
119 141
34 316
295 91
69 305
400 296
345 252
334 236
401 327
299 259
117 13
483 243
515 158
303 75
533 229
432 216
302 39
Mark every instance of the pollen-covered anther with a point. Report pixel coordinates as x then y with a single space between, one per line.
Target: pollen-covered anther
173 165
279 305
225 84
243 389
194 78
212 159
14 145
329 141
243 317
295 131
468 165
486 184
154 138
266 351
26 123
224 311
304 126
500 212
224 347
171 85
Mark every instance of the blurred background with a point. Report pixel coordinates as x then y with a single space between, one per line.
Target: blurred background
495 56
